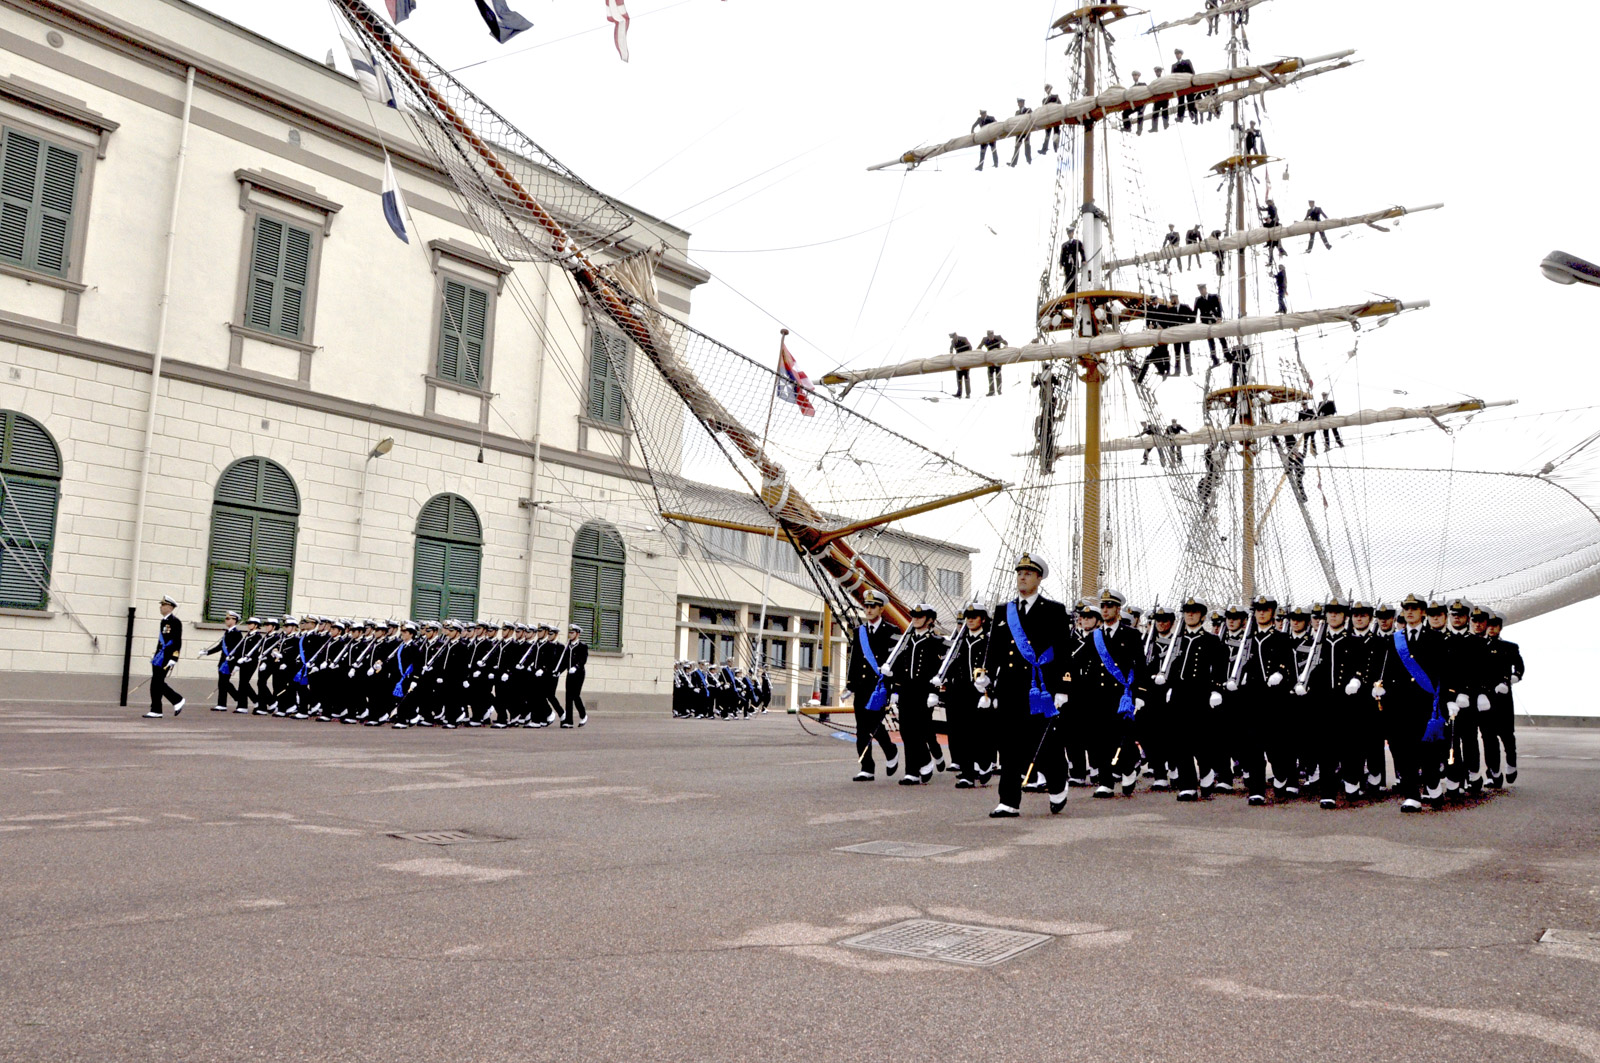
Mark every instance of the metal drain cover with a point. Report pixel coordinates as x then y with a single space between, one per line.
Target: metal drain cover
928 939
445 837
908 850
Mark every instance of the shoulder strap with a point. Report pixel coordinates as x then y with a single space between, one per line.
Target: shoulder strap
866 650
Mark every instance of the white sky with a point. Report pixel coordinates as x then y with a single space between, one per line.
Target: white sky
790 103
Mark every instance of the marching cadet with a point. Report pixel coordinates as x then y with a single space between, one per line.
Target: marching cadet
549 662
245 668
1385 615
1332 690
358 677
1154 722
972 750
1464 686
1291 757
1268 661
527 709
1365 722
766 690
403 666
1193 673
912 691
169 646
332 697
228 646
266 660
1108 682
1405 682
871 643
1025 669
485 657
1217 769
1085 618
1502 670
423 689
680 690
577 664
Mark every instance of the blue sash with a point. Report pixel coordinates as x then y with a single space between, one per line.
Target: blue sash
880 693
405 673
1125 705
223 666
302 678
1040 703
1435 728
161 651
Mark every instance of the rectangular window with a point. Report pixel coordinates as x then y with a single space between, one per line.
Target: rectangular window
280 273
728 645
913 577
809 627
950 583
775 653
879 564
707 647
38 189
608 369
777 623
808 656
463 332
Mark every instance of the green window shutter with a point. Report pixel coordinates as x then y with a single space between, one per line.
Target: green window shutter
608 366
598 578
449 560
463 331
30 494
280 273
38 191
254 529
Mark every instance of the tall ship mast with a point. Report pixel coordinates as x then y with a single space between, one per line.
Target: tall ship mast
1109 310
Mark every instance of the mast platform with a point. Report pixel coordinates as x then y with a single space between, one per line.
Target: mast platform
1255 395
1060 313
1234 163
1102 14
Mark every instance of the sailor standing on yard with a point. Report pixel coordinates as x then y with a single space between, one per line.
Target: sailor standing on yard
985 118
169 645
1024 138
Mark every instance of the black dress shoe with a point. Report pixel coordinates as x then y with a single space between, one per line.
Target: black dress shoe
1057 806
1004 812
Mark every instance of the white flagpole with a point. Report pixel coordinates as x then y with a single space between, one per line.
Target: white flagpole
766 578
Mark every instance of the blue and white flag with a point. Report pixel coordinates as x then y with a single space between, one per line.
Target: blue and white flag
394 205
400 10
372 78
503 22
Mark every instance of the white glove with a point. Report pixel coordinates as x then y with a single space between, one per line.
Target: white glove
352 673
573 670
1461 702
1274 679
981 683
465 684
1161 679
439 680
505 677
886 672
1501 688
1300 689
1516 679
1353 686
1453 708
1138 703
984 702
476 672
894 699
1216 700
933 701
1061 701
539 672
1232 684
1483 703
1377 690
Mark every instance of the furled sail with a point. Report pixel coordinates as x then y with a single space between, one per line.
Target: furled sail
1238 433
1115 99
1229 8
1119 341
1257 237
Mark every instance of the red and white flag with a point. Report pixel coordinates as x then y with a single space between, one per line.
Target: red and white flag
793 386
617 15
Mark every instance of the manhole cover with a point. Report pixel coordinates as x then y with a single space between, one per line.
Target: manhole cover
909 850
927 939
445 837
1582 938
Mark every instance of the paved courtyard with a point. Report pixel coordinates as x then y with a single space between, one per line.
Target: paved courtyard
224 887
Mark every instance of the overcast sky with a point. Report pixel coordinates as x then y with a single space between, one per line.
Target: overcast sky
751 124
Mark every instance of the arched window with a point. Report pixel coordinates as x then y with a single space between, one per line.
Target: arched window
254 521
598 566
444 582
30 487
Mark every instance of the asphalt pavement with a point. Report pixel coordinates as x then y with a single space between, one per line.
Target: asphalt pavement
225 887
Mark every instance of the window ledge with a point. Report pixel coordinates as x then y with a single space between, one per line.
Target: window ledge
49 280
245 332
617 654
36 614
455 385
605 426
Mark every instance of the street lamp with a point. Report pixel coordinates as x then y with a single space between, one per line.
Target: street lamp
1563 268
382 447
